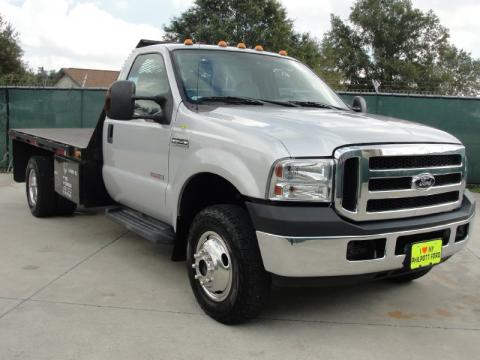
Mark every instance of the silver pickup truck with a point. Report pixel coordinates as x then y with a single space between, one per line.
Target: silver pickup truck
256 172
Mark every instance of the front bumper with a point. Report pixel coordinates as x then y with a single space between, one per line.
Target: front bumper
319 247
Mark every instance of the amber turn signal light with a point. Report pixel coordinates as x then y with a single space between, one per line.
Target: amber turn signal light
188 42
222 43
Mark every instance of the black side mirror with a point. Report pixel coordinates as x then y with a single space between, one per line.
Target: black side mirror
359 104
120 103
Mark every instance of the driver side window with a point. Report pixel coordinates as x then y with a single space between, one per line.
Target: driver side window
150 77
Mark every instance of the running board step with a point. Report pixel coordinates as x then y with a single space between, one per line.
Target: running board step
143 225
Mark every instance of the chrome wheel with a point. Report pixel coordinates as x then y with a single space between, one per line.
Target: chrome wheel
212 264
32 187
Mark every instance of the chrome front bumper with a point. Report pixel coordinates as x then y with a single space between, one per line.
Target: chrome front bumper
326 256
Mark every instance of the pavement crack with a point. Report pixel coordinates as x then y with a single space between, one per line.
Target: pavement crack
11 298
473 253
63 274
369 324
118 307
325 322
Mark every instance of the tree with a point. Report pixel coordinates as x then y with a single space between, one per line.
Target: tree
11 53
253 22
398 46
460 72
13 71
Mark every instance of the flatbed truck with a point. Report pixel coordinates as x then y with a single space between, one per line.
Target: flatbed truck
254 171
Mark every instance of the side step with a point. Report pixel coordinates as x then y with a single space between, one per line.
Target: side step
143 225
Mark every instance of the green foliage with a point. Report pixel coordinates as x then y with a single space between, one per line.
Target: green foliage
11 53
460 73
398 46
28 77
262 22
474 188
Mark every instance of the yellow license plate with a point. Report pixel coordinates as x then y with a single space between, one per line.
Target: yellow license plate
426 253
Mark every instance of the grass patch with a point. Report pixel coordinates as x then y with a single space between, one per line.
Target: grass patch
474 188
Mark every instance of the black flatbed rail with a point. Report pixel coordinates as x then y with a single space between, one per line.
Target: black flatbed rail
71 143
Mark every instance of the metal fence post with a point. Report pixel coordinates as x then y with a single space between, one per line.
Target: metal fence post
7 126
81 107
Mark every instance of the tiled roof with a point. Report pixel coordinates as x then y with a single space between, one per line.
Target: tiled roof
91 77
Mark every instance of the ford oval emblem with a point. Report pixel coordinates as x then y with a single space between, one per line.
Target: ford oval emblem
423 181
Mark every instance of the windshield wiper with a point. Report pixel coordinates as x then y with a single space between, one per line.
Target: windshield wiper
316 104
252 101
231 100
278 102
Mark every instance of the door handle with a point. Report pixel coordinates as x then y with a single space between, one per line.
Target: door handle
110 133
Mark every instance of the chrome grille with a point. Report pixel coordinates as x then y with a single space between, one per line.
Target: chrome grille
376 182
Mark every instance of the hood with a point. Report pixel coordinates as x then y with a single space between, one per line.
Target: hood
318 132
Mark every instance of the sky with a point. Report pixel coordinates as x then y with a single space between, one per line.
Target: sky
101 33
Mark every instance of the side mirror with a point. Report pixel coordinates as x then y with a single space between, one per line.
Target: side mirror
121 103
359 104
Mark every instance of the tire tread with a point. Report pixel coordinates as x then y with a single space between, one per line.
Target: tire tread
46 197
254 281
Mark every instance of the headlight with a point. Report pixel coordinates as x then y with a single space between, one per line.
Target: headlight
302 180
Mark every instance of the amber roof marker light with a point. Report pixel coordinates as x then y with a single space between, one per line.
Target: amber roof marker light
283 52
188 42
222 43
259 47
241 45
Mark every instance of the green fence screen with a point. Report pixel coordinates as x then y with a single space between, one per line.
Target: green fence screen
459 116
46 108
69 108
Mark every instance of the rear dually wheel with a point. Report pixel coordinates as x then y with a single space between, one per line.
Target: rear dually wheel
41 196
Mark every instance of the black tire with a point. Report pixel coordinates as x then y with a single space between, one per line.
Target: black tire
65 207
45 201
409 276
250 285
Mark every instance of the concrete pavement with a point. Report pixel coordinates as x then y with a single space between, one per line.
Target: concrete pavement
84 288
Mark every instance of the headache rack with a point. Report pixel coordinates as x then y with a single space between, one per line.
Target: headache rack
145 42
378 182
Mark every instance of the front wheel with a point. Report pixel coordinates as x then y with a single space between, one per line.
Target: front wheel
224 265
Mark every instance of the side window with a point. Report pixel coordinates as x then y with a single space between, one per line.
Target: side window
150 77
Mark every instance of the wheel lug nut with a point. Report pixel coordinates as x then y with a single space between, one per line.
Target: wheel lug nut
197 277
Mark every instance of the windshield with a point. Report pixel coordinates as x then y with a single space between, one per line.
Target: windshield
216 73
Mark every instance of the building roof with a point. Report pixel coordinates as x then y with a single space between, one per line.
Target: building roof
91 77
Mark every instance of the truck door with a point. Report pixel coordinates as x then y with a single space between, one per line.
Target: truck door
136 151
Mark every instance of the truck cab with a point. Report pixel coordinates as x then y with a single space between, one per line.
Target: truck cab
256 171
